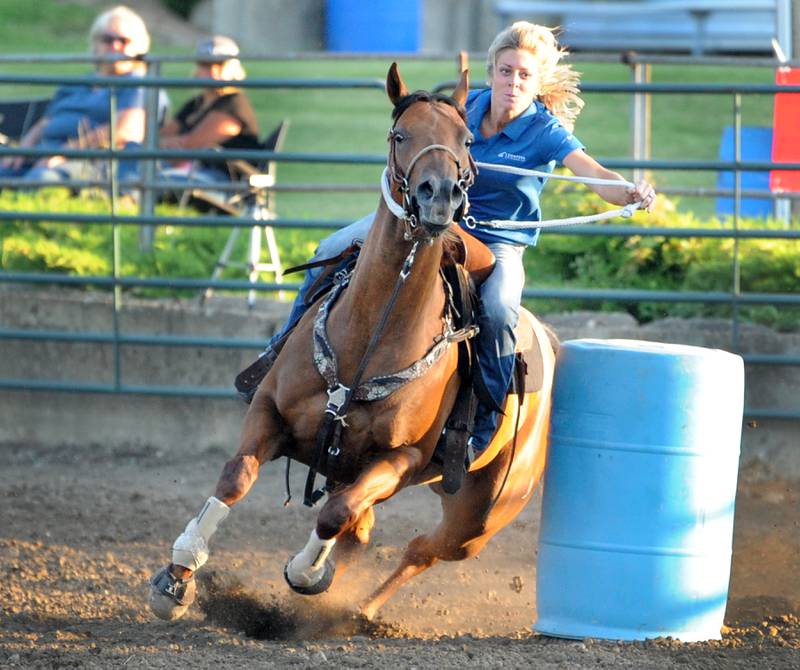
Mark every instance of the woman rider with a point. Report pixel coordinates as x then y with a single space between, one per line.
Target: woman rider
523 120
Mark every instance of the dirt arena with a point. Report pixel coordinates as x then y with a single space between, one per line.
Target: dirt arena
82 529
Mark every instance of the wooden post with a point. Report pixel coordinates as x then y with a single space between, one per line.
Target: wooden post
640 116
463 60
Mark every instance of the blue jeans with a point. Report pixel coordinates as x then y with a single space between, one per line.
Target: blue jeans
498 314
69 170
179 178
74 169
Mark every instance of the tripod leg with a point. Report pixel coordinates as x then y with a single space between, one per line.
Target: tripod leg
274 257
222 262
255 257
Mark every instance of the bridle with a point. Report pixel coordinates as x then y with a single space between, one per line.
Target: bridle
406 210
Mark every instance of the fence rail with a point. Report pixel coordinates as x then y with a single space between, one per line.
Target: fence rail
116 337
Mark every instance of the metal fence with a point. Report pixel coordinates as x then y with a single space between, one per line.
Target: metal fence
146 219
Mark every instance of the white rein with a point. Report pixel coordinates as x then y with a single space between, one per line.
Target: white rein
625 212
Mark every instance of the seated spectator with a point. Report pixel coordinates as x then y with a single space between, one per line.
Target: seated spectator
217 117
78 116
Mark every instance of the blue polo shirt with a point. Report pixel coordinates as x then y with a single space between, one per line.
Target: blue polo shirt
535 140
73 106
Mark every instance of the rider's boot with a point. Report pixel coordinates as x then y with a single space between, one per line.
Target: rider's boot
247 380
486 419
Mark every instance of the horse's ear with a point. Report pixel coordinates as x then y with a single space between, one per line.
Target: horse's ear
395 86
460 92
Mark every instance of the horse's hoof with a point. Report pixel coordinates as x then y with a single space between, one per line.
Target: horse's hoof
170 597
367 612
322 585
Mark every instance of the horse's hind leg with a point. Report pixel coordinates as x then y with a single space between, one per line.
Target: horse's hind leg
173 588
486 502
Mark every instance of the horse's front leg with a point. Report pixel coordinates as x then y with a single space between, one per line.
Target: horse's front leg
311 571
172 589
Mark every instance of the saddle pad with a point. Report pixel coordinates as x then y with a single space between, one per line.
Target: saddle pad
529 355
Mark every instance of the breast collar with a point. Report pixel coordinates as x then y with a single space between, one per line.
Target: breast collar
380 386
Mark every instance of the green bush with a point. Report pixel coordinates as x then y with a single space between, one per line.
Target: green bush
87 249
662 263
565 261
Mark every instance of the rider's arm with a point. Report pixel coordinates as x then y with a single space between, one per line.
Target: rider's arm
583 165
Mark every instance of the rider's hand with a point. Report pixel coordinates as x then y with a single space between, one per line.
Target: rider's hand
643 192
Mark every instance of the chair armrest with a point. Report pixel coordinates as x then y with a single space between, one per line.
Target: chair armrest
243 167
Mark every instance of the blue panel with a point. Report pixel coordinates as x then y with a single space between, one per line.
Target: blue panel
756 145
373 25
639 490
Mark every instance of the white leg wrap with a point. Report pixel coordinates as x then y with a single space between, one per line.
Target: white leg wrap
308 567
191 548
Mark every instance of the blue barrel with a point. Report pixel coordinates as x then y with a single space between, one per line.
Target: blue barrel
374 25
639 489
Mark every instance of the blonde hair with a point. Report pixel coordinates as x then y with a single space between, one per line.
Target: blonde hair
558 83
140 37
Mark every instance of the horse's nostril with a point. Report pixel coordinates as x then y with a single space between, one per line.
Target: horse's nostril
425 191
456 192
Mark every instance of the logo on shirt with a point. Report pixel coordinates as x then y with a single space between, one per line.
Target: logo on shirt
505 155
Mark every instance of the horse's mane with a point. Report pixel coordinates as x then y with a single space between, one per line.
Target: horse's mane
426 96
453 250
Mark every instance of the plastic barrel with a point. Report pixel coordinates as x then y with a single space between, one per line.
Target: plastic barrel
376 25
639 490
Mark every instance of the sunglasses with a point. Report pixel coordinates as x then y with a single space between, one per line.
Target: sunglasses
108 39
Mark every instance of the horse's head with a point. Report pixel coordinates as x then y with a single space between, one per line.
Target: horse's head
429 161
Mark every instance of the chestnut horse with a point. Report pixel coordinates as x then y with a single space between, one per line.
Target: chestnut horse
384 443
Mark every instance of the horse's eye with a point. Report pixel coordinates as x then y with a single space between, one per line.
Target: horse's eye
399 138
468 142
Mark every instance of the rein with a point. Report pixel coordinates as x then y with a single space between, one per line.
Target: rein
625 212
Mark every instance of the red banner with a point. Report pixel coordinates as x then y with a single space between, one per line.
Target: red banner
786 132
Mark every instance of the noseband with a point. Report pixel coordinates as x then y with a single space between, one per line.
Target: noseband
400 178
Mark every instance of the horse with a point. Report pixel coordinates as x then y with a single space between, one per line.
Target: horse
391 316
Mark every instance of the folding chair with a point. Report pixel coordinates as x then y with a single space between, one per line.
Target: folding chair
259 203
17 117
